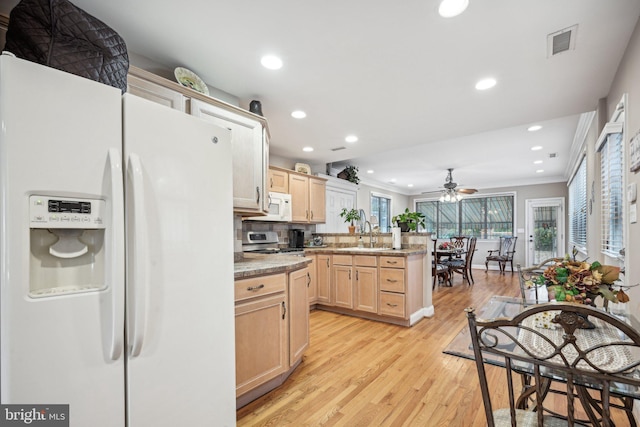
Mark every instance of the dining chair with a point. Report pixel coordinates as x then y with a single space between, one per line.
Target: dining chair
544 345
439 271
504 253
460 244
463 265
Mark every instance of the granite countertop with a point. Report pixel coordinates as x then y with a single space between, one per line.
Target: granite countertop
366 251
259 264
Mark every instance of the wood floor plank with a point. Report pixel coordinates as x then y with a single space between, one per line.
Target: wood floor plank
359 372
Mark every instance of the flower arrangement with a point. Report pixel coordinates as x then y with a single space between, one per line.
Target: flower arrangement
581 282
445 245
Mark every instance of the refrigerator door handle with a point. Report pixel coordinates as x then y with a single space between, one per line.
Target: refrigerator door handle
115 275
137 258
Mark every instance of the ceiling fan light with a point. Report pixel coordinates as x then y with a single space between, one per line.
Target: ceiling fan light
447 197
459 196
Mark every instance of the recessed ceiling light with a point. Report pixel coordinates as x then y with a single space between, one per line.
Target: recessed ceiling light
409 185
534 128
537 162
298 114
485 84
540 171
308 149
271 62
351 138
370 171
536 148
451 8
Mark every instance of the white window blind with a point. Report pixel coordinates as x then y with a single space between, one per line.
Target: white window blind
611 176
578 207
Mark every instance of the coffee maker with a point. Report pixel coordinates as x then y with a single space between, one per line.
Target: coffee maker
296 238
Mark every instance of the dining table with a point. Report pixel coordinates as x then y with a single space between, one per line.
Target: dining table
505 306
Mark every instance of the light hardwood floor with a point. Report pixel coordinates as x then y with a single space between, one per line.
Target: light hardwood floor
363 373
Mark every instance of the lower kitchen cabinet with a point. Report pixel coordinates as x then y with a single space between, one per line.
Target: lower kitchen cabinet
299 282
272 330
323 278
313 272
380 287
261 341
342 281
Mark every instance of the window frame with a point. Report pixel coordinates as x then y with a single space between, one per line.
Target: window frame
459 213
373 194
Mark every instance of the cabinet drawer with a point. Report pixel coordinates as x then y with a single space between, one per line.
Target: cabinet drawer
365 260
392 304
258 286
392 261
342 259
392 280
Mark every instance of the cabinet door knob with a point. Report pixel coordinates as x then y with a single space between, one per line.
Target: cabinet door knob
284 310
255 288
392 280
257 194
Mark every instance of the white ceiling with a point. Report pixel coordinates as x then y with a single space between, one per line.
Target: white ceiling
397 75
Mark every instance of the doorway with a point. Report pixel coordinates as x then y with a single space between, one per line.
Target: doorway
544 229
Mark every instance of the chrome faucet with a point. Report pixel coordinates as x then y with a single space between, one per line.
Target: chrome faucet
371 241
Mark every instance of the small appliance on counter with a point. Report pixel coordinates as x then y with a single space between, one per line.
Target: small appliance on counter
267 242
296 238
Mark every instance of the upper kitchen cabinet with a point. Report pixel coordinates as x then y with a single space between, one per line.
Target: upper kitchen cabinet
307 198
278 180
249 134
156 93
249 155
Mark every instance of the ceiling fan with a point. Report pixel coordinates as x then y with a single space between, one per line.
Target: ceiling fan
451 193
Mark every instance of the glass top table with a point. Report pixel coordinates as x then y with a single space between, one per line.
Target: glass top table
502 306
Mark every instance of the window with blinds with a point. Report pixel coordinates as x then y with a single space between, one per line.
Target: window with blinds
611 177
578 207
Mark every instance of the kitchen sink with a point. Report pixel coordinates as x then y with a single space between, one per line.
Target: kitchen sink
365 249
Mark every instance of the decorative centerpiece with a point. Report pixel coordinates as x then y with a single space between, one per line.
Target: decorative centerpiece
445 246
581 282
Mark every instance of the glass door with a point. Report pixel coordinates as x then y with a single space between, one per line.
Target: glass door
545 229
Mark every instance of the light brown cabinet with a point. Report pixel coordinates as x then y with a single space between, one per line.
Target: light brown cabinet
366 283
307 198
156 93
261 331
313 275
272 330
299 283
278 180
388 288
323 278
342 281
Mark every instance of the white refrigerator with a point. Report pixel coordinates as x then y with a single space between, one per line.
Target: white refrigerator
116 255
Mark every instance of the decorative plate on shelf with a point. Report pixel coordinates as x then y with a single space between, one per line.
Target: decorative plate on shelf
191 80
303 168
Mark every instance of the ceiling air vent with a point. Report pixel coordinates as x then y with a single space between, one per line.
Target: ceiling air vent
338 148
553 155
561 41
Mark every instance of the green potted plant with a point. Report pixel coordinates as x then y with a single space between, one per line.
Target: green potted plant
409 221
350 215
350 173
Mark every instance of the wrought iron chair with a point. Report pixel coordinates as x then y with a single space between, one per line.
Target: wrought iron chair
504 253
463 266
544 345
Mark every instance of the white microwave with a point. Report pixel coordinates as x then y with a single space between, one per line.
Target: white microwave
279 208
